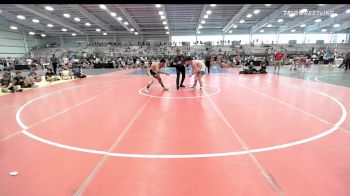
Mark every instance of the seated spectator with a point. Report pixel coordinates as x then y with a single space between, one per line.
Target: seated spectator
65 74
19 81
50 76
77 72
7 66
7 85
33 75
263 66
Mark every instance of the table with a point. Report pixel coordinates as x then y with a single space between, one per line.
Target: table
21 67
103 65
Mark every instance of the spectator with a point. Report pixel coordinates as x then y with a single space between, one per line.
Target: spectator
19 81
6 84
34 77
278 61
77 72
50 76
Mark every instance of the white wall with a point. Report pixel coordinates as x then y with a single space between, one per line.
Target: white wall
16 44
11 44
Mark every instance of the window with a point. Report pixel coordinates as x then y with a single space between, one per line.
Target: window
180 39
266 38
338 38
284 38
243 38
312 38
210 38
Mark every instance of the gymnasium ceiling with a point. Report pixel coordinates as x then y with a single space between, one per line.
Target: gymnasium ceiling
180 19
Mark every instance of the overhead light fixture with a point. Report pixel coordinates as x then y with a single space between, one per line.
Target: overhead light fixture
87 24
318 20
164 22
158 6
162 17
280 20
200 27
262 30
249 15
234 26
209 12
292 15
98 30
303 11
66 15
21 17
49 8
347 11
43 35
198 32
256 11
136 33
103 6
104 33
324 30
230 31
120 18
205 16
334 15
212 5
126 23
203 21
113 14
167 32
64 30
31 33
269 25
49 25
320 4
73 34
166 27
303 25
132 29
161 13
77 19
336 25
13 27
268 5
35 21
241 21
293 30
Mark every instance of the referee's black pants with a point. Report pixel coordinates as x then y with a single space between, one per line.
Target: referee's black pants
347 64
180 70
207 64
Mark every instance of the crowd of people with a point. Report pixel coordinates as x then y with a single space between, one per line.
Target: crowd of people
70 65
12 82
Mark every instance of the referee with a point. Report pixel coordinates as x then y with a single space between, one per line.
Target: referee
207 58
179 62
